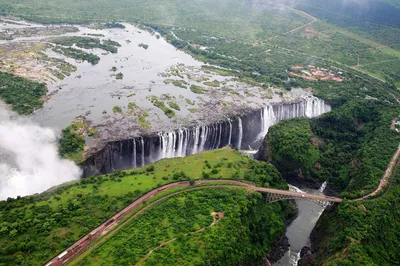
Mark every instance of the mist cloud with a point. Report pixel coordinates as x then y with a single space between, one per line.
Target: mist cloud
29 160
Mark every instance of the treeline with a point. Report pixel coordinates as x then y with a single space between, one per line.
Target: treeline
24 96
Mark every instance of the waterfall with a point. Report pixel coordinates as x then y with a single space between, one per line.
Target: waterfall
142 142
267 119
196 140
134 153
247 132
230 132
204 131
220 136
240 133
315 107
185 142
323 186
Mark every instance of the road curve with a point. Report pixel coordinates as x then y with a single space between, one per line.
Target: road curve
79 246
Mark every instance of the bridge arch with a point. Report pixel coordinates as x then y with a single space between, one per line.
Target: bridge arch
275 197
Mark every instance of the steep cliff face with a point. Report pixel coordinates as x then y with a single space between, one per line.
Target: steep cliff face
245 132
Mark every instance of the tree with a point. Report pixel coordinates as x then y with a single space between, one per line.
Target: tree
191 181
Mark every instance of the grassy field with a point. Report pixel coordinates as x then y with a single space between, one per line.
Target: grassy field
36 228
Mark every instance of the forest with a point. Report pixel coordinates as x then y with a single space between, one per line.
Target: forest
244 235
24 96
361 233
35 228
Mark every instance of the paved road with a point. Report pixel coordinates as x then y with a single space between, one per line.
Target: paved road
386 176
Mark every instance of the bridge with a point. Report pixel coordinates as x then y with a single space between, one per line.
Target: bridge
275 195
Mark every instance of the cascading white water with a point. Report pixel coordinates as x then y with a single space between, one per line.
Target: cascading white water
207 137
142 142
240 133
323 186
180 143
196 140
134 154
204 132
310 107
185 142
230 132
315 107
268 119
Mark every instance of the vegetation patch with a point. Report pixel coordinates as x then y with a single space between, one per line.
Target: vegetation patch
155 101
86 43
219 71
188 101
24 96
77 54
72 142
215 83
174 105
197 89
117 109
114 25
180 83
119 76
144 46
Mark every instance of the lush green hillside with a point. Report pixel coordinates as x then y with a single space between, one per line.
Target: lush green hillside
361 233
243 236
33 229
289 146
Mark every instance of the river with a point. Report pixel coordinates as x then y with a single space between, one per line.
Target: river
299 230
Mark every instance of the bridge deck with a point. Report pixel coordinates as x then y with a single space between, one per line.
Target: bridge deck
296 194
